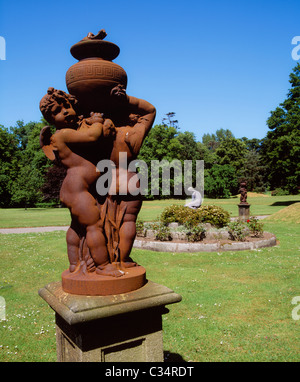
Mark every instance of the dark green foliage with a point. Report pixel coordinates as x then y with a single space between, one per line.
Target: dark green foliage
9 159
53 180
23 165
221 181
196 233
214 215
238 230
255 226
179 214
281 147
162 232
254 171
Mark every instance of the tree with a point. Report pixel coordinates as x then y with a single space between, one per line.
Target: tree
26 187
170 121
207 155
232 151
53 180
189 149
281 147
252 144
8 165
253 172
32 164
220 181
213 141
210 141
160 144
165 143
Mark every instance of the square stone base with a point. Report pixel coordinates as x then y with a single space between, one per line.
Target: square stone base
118 328
244 211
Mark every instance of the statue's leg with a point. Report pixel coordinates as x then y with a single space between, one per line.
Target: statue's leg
85 211
127 232
73 243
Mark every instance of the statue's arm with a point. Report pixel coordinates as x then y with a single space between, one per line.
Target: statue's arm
144 109
83 135
147 113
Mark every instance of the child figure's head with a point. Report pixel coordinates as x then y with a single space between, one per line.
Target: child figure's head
57 108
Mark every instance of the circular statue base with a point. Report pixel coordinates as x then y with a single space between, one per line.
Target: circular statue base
92 284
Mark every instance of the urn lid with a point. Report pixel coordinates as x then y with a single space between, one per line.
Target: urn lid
95 46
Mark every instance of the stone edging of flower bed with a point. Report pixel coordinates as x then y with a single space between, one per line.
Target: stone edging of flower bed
169 246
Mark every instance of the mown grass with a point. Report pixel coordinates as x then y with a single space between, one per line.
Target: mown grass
236 306
28 262
35 217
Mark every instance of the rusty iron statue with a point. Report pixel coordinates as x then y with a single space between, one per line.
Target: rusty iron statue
243 192
98 122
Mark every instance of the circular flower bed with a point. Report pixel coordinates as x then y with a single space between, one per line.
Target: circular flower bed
206 229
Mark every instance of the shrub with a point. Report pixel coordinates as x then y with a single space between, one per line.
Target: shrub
214 215
162 232
140 228
238 230
196 233
255 226
279 192
179 214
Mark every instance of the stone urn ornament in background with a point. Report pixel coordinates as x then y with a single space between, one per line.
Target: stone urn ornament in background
97 121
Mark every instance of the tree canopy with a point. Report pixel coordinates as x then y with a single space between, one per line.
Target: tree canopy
281 146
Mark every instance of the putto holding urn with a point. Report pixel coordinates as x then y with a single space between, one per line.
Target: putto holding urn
97 121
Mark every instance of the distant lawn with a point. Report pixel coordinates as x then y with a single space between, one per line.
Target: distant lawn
35 217
236 306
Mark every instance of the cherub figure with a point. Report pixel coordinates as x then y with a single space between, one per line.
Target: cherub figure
243 191
124 203
77 143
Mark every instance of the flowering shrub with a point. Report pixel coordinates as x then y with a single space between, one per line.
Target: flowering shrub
214 215
238 229
255 226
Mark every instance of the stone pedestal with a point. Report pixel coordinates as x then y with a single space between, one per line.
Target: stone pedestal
244 211
117 328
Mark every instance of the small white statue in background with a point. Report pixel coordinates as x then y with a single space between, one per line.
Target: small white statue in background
196 199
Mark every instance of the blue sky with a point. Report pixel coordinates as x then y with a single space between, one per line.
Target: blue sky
216 64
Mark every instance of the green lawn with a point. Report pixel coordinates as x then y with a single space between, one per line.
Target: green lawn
236 306
35 217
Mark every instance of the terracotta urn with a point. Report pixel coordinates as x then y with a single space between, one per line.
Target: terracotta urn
93 77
